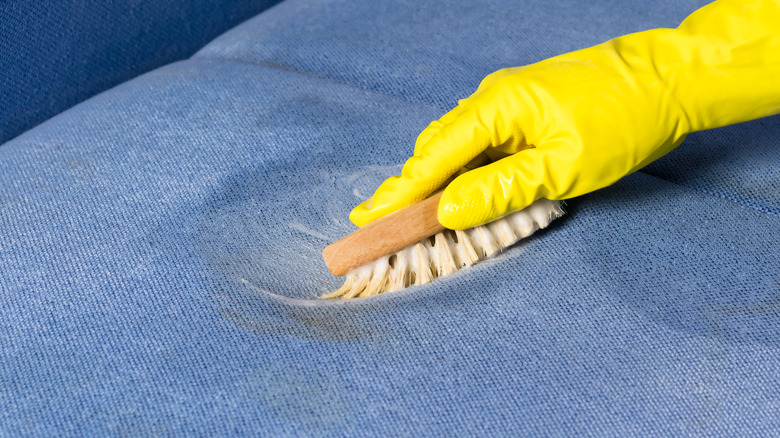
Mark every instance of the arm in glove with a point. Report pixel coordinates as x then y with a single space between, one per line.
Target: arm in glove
580 121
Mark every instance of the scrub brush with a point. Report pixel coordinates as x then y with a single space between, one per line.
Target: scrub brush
411 247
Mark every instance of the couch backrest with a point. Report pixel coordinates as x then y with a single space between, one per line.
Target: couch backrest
56 54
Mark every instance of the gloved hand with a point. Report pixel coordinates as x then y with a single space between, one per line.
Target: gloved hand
580 121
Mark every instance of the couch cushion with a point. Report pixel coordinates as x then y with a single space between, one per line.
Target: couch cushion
159 251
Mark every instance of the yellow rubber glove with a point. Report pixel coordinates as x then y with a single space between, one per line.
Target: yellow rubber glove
580 121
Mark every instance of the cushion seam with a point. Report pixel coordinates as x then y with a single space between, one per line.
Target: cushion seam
282 67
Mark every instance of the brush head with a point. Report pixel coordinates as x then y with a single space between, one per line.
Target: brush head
384 236
445 252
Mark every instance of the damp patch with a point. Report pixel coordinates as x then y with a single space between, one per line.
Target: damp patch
267 229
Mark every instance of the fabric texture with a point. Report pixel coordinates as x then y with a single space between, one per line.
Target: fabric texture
54 55
160 251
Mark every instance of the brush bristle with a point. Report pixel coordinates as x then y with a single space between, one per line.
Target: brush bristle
445 252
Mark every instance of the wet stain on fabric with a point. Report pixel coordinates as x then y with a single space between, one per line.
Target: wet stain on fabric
266 314
269 229
260 234
264 234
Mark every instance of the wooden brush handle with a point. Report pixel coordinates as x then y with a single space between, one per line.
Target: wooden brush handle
384 236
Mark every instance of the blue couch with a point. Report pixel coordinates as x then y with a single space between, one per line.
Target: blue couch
160 251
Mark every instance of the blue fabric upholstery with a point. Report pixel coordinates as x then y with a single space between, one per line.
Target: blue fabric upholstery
427 52
54 55
160 251
436 55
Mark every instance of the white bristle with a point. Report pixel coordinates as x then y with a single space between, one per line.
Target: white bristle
422 264
349 281
399 272
361 281
379 274
442 256
465 254
540 212
428 245
502 232
445 253
522 223
556 209
483 241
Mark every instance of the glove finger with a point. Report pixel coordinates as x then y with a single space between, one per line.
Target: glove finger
492 78
434 127
463 105
497 189
449 148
